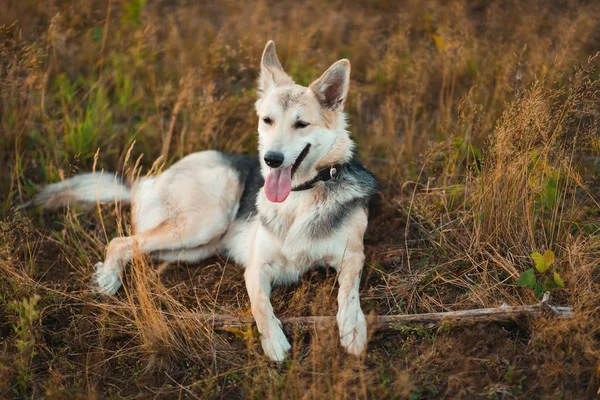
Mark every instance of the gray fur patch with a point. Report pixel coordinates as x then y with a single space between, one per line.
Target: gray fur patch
329 222
289 99
274 224
354 177
248 169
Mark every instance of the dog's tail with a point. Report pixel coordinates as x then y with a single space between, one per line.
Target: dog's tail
90 187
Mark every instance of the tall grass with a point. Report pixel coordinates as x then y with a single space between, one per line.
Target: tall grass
480 120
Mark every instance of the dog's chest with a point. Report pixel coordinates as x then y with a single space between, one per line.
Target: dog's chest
302 225
279 218
299 216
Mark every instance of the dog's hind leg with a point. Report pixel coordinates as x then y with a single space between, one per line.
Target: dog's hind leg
187 255
120 251
164 238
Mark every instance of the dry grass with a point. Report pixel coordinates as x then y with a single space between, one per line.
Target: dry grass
480 120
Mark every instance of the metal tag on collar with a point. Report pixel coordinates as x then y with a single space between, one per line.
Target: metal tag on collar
334 172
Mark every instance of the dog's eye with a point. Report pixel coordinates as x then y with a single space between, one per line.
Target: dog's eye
267 120
300 124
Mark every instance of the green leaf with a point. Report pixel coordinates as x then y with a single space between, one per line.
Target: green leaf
550 284
527 279
97 34
542 262
558 280
538 259
539 289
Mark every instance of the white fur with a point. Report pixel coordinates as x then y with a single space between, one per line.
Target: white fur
88 187
106 281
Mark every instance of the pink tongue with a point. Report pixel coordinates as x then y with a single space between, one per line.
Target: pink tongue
279 184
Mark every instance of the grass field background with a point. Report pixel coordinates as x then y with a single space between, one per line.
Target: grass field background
479 118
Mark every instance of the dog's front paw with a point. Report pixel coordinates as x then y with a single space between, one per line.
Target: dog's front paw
105 281
353 329
275 345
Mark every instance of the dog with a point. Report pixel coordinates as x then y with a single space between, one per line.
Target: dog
302 203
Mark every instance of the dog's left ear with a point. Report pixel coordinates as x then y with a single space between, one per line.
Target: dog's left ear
271 71
332 87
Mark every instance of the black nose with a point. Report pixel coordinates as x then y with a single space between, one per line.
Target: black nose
274 159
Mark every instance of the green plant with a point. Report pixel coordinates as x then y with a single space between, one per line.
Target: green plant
25 341
542 280
133 12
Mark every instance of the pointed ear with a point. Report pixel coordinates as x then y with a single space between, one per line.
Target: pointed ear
271 71
332 87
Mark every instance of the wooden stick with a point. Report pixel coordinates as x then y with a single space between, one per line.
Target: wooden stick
401 322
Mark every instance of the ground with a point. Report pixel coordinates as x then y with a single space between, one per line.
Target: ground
480 120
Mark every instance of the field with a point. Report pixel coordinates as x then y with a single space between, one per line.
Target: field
480 120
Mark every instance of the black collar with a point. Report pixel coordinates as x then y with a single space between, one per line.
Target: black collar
324 175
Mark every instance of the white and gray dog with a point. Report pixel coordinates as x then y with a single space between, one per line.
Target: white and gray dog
302 203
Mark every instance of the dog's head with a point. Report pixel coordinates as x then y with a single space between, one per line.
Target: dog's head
300 128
